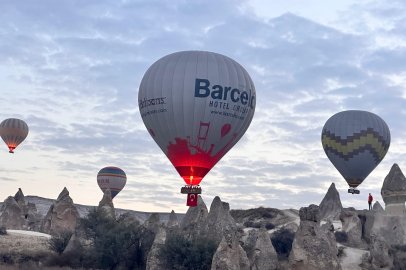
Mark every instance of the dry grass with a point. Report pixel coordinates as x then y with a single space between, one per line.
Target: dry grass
13 243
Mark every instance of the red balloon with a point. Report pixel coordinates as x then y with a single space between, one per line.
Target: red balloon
225 130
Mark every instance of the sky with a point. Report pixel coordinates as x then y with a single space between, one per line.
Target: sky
71 70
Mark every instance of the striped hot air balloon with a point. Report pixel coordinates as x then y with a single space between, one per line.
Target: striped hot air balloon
355 142
13 131
113 178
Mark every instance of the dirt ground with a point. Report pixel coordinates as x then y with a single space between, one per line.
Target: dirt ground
10 243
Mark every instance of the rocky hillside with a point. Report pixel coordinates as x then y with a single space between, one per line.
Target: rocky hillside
43 204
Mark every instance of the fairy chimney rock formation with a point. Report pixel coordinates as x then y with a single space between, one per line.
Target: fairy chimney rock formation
153 222
61 216
107 204
12 215
195 216
378 207
330 206
311 248
394 191
264 255
173 220
219 218
229 254
154 261
19 198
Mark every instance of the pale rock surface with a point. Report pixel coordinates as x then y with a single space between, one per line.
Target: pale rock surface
352 226
311 249
194 223
196 214
12 215
153 261
19 198
311 213
328 229
377 207
379 251
61 216
153 223
264 256
394 191
391 227
330 206
107 204
353 258
229 254
219 218
173 220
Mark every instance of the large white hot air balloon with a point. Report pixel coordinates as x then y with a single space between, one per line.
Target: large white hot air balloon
196 105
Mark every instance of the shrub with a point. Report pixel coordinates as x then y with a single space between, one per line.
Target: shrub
282 241
341 236
114 242
3 230
251 224
180 253
59 241
255 213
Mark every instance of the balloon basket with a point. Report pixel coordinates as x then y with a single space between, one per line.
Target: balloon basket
191 189
12 152
353 191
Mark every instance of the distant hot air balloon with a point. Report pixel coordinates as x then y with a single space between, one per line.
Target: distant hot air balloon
13 131
113 178
355 142
196 105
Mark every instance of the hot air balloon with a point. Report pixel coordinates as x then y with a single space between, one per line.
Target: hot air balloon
196 105
13 131
355 142
113 178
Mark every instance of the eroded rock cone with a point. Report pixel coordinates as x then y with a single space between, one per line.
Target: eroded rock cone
330 206
328 229
19 198
311 249
394 191
194 222
196 214
264 256
352 226
377 207
229 254
173 220
12 215
219 218
107 204
61 216
153 260
153 223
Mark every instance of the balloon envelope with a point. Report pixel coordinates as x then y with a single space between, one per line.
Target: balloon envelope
113 178
13 131
355 142
196 105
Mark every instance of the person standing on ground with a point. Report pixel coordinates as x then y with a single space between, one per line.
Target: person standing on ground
370 199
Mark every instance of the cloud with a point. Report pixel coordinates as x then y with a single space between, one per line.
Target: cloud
72 71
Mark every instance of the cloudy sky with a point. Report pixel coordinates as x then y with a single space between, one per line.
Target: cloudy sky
71 70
